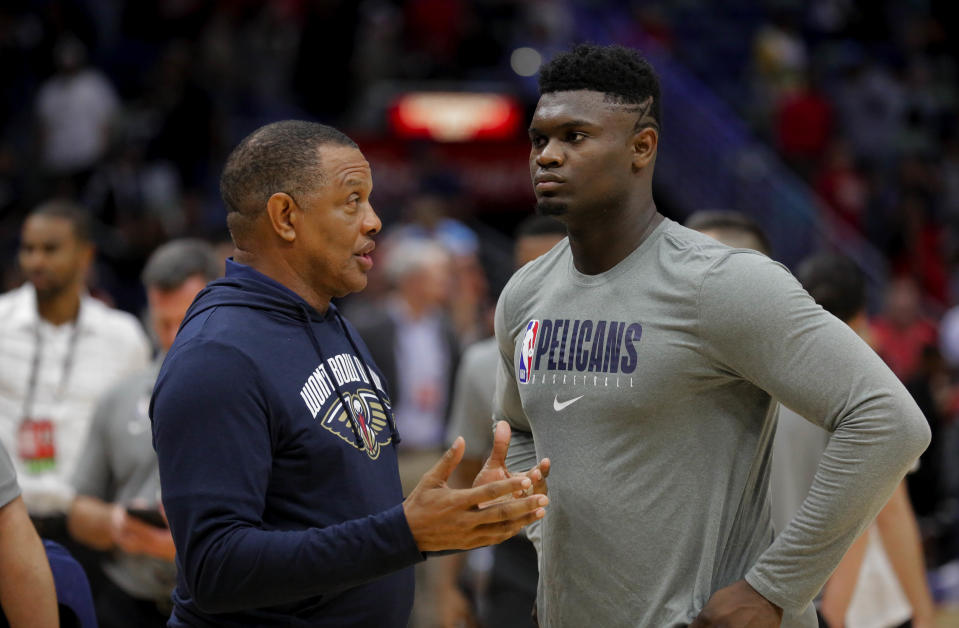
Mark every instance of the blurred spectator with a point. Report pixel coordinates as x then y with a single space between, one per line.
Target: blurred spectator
74 108
901 331
871 106
412 341
842 186
428 216
118 467
804 123
511 591
61 350
780 58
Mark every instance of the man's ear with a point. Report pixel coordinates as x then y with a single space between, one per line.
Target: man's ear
645 143
279 209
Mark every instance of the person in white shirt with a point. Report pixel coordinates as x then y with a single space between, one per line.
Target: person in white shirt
74 109
60 350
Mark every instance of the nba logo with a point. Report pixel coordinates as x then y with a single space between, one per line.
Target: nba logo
526 354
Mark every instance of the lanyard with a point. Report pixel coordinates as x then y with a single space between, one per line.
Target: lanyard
35 366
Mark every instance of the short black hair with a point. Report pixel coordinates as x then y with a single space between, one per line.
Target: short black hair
620 73
171 264
279 157
538 224
728 220
835 282
78 217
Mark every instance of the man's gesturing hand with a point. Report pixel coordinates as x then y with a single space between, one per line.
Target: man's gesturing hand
740 606
494 468
442 518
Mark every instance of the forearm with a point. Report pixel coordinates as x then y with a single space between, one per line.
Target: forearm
901 540
27 593
865 459
238 567
88 521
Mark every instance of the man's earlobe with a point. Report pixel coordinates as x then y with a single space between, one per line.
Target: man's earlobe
280 209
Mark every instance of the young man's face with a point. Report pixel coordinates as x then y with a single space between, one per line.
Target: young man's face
336 224
53 259
581 155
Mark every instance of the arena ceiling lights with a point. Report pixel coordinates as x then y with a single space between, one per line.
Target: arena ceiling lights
455 116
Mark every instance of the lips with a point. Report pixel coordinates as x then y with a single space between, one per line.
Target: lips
546 182
363 255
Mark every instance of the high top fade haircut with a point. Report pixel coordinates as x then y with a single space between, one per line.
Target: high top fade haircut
621 74
279 157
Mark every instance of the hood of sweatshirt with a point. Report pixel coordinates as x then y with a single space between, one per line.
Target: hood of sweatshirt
245 287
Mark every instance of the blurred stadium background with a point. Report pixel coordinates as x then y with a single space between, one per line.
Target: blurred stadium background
833 123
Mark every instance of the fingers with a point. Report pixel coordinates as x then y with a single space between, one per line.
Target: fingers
444 466
493 491
501 437
513 510
500 530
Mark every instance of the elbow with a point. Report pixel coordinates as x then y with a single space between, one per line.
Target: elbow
212 602
917 435
212 590
212 595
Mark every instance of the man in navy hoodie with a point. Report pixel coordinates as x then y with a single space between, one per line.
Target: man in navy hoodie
273 426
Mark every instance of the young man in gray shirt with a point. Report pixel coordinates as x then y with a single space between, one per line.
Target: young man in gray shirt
644 359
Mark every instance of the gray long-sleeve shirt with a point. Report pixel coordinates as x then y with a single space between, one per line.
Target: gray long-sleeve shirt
651 388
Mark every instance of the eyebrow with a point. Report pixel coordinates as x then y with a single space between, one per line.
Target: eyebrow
566 125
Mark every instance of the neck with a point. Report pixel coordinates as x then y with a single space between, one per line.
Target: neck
61 308
604 239
280 270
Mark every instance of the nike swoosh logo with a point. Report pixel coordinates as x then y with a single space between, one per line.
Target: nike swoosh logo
560 406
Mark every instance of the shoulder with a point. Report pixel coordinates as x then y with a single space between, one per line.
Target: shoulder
17 304
700 258
748 271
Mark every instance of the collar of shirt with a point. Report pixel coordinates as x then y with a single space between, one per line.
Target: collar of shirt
24 314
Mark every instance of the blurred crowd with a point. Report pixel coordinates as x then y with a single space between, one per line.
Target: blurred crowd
127 110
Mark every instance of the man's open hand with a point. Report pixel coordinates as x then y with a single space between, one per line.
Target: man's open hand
494 469
442 518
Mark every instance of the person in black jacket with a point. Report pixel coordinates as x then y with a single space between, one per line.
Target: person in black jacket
273 426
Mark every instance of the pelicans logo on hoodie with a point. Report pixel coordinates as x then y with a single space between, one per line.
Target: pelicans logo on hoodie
366 415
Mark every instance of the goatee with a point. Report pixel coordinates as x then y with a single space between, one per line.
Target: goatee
547 207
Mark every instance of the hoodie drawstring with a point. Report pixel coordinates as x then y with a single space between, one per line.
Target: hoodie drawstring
394 434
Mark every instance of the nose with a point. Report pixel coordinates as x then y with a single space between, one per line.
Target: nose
371 222
550 156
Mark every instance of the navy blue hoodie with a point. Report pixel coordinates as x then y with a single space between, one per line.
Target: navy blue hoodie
278 466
